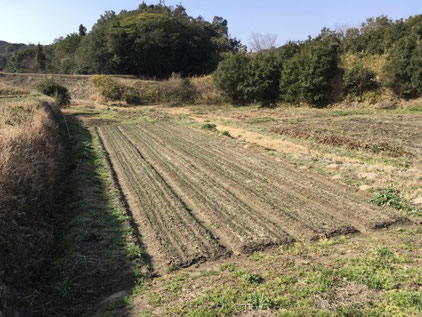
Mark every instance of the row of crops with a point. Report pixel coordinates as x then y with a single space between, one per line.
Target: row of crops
198 197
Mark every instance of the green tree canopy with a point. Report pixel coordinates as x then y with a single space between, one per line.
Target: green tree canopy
154 41
307 76
403 71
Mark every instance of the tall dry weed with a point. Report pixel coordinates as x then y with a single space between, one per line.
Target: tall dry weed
207 92
30 157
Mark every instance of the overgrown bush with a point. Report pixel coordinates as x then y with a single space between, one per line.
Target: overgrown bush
187 92
403 71
206 92
177 91
358 79
109 87
51 88
263 79
132 96
150 93
174 91
307 76
230 79
244 79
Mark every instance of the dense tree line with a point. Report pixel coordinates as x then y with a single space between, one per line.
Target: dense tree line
156 41
316 72
153 41
6 51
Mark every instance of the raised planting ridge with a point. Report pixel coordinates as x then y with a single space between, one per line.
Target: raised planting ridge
196 197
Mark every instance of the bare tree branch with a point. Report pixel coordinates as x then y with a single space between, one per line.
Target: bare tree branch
262 42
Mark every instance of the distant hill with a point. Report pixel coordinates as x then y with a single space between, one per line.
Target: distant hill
6 50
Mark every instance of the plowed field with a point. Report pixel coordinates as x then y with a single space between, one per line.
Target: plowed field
197 197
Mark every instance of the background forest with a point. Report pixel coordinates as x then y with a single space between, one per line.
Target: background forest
381 56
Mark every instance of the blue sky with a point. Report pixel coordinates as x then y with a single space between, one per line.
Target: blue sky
30 21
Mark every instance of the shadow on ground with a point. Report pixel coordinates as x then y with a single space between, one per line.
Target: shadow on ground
97 254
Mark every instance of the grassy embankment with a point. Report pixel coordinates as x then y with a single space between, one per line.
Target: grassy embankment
31 159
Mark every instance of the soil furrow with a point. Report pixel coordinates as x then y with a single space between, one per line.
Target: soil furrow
147 201
190 244
362 216
225 195
162 227
209 207
150 194
159 250
245 197
179 212
321 223
199 197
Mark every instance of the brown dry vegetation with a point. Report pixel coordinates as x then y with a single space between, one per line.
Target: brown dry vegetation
81 88
30 156
339 140
8 91
399 135
171 92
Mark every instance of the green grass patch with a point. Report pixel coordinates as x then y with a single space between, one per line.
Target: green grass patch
379 272
262 301
208 126
297 289
344 113
95 249
172 268
155 299
253 278
256 256
391 197
319 170
415 109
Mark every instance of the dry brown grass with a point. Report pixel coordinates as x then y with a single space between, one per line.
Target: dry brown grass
30 156
79 86
170 92
12 91
373 62
207 93
82 88
341 140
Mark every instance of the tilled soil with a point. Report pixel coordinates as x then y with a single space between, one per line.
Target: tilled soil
397 135
167 225
196 196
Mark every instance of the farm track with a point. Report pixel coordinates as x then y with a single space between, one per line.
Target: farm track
195 197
